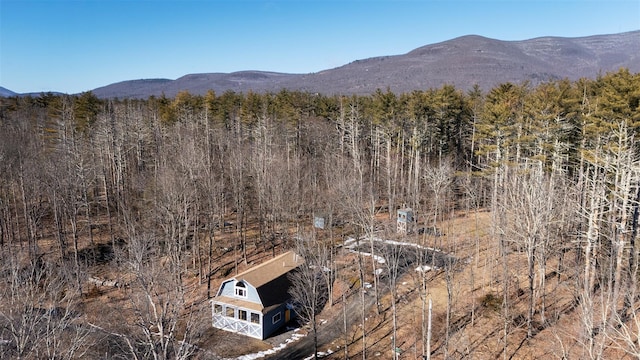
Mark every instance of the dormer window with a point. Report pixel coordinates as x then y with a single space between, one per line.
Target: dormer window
241 289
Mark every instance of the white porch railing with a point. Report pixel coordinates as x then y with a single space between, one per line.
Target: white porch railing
240 326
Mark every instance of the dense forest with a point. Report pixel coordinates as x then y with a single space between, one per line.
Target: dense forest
147 188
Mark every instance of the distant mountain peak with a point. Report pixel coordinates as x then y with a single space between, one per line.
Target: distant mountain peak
4 92
463 62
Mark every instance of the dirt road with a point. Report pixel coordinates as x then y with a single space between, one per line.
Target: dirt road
332 329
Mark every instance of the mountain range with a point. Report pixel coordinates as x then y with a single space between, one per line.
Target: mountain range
463 62
4 92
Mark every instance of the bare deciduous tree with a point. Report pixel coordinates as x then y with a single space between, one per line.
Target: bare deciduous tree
162 321
529 201
394 259
38 316
309 291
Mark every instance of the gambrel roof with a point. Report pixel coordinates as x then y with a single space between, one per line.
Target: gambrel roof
271 270
270 281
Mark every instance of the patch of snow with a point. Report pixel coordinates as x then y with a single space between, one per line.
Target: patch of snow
423 268
350 242
323 268
294 337
320 354
400 243
377 258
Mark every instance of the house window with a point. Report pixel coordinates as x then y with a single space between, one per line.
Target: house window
255 318
230 312
242 315
241 289
276 318
217 308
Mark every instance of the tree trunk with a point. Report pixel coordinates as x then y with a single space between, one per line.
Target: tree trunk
429 332
209 260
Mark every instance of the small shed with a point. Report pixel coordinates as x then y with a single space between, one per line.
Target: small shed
405 220
256 302
320 221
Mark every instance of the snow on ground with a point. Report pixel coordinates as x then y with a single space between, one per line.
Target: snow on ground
423 268
377 258
400 243
321 354
351 242
294 337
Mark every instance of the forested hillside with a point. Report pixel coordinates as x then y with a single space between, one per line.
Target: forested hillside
463 62
162 197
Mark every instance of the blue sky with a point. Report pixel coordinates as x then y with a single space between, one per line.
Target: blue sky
74 45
